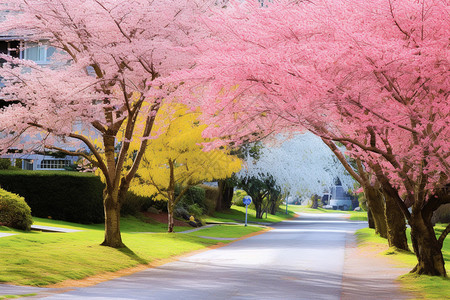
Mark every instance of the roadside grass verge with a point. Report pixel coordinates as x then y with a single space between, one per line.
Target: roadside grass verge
227 231
127 224
427 287
45 258
15 296
354 215
237 214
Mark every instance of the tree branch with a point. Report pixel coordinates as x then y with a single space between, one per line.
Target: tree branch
343 161
444 235
73 153
143 146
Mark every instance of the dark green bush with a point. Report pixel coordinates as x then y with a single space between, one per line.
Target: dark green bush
195 210
69 196
238 198
134 204
14 211
194 195
18 163
5 163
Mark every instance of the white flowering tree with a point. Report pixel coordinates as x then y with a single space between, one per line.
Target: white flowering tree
302 164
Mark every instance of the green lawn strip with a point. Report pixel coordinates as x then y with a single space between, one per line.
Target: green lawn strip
16 296
354 215
306 209
39 259
237 214
226 231
43 258
127 224
9 230
427 287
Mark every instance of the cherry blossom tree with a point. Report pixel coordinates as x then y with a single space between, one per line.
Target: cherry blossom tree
111 59
371 75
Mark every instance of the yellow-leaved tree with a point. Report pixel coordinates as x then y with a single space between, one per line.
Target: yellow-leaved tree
175 158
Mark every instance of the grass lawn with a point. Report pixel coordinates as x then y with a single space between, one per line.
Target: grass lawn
226 231
15 296
44 258
354 215
237 214
428 287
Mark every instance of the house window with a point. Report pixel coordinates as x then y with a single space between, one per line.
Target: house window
38 52
54 164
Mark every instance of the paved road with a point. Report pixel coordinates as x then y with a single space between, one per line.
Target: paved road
299 259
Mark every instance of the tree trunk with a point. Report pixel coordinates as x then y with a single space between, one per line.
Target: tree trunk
315 203
376 205
273 207
396 225
225 197
112 220
258 208
370 220
426 247
170 222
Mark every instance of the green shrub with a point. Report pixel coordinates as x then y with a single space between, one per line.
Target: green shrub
134 204
195 210
14 211
68 196
194 195
211 195
238 198
5 163
18 163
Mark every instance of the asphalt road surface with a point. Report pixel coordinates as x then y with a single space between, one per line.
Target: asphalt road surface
299 259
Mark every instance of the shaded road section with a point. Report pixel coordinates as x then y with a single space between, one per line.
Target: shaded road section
299 259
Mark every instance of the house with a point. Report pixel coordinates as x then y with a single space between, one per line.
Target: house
339 198
24 47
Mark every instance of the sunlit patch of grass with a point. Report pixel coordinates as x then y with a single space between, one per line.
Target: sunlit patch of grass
16 296
367 235
237 214
354 215
427 287
44 258
226 231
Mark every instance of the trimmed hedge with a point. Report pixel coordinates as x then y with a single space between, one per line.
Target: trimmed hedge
14 211
68 196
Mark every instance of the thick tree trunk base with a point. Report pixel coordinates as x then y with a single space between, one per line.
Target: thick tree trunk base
113 237
426 247
113 244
